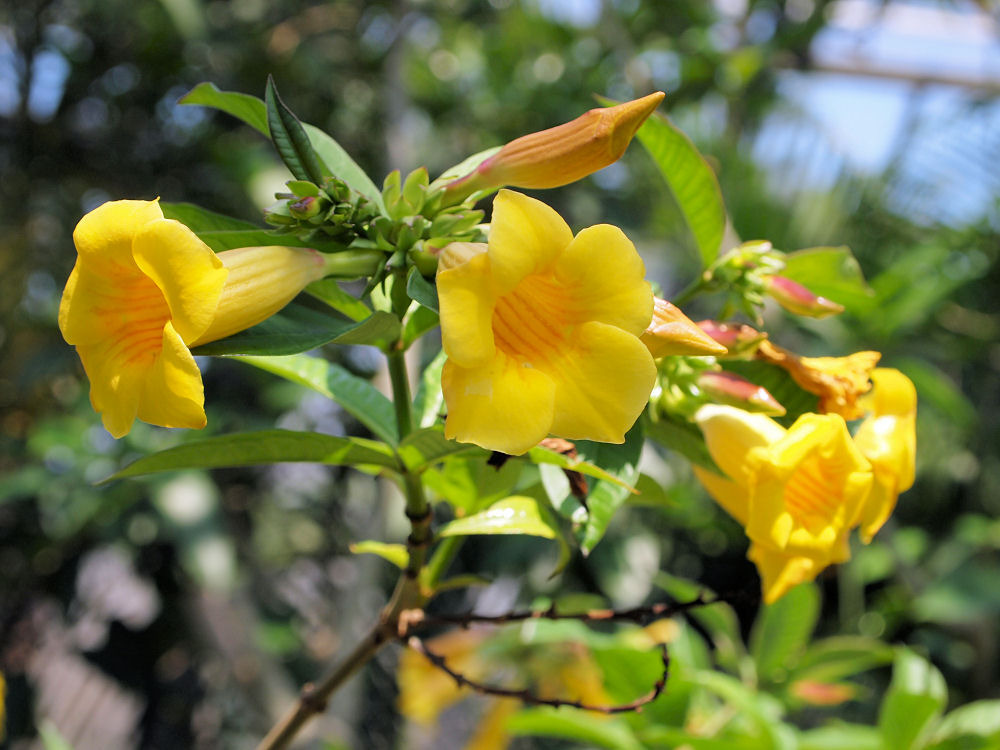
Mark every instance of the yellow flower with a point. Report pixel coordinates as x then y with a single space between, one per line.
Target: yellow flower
542 331
144 289
887 438
838 381
563 154
798 492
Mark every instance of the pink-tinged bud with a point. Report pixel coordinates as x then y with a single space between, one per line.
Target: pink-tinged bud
671 332
730 389
737 338
797 299
563 154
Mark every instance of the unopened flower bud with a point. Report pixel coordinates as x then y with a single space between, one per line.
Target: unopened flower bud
797 299
739 339
671 332
304 208
563 154
730 389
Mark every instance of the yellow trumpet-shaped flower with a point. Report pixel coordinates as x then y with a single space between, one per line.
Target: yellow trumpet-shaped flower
887 438
798 492
144 289
542 329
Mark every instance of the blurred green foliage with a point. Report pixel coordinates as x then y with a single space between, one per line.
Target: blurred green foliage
252 570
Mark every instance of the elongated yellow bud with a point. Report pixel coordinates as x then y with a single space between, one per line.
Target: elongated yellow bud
563 154
671 332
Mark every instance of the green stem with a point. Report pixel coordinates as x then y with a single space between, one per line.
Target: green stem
401 392
691 291
444 553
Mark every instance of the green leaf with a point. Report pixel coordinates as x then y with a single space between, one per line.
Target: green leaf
606 497
229 239
342 166
759 707
671 737
513 515
974 726
358 397
51 738
831 272
916 695
541 455
422 290
596 731
418 321
690 179
463 167
199 219
841 736
835 658
421 448
297 328
680 437
290 139
429 398
329 291
394 553
470 484
249 109
782 631
253 112
263 447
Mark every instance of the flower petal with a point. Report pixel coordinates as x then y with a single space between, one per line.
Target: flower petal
526 236
603 381
733 498
172 393
502 406
105 234
735 438
605 279
466 299
188 273
780 572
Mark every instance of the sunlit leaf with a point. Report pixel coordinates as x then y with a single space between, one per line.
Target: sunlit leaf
243 107
393 553
782 631
974 726
595 731
916 696
346 304
424 447
831 272
690 179
263 447
513 515
606 497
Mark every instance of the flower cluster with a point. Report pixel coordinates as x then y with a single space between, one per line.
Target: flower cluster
799 491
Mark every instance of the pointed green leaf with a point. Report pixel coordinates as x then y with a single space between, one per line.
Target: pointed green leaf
429 399
199 219
681 437
690 179
974 726
330 292
290 139
542 455
419 320
835 658
470 484
298 328
249 109
595 731
831 272
394 553
253 112
422 448
263 447
782 631
422 290
358 397
514 515
916 696
779 384
606 497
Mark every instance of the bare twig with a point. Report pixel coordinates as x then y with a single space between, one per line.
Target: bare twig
527 696
638 615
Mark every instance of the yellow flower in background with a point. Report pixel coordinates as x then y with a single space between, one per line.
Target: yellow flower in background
838 381
798 492
541 330
887 438
563 154
144 289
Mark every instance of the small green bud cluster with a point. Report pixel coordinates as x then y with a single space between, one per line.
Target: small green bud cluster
417 225
685 384
331 213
